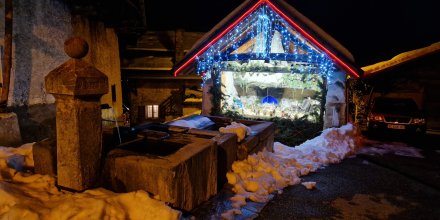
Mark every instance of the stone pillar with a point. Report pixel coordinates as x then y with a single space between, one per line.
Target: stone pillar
77 87
9 130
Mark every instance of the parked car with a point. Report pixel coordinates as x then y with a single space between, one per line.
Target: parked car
396 114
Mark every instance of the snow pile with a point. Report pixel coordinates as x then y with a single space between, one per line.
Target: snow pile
257 177
309 185
13 159
238 128
194 121
24 195
397 148
401 58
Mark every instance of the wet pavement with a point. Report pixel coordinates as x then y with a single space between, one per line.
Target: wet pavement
361 187
220 203
356 189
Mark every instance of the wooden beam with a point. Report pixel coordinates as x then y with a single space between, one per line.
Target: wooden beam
247 33
259 56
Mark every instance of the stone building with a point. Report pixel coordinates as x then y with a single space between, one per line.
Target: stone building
38 34
150 89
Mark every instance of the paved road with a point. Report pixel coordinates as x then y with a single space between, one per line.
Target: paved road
363 187
368 187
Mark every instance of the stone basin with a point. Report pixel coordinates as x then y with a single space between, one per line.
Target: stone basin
226 150
229 150
226 146
179 169
262 135
153 143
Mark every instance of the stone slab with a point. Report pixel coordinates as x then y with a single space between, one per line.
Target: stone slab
45 157
262 136
246 146
227 154
227 151
9 130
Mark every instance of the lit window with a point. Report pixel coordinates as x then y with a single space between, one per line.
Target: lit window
155 111
152 111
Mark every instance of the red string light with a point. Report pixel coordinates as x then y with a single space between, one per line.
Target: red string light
302 31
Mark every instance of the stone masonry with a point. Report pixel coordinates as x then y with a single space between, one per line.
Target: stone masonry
77 87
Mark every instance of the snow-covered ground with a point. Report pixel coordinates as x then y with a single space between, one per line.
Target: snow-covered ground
262 174
24 195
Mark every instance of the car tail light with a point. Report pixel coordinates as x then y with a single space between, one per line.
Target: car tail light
419 121
376 117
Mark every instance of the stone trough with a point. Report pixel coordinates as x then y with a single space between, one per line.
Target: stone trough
229 150
226 148
262 135
183 166
177 168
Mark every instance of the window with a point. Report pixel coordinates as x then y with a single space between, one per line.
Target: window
151 111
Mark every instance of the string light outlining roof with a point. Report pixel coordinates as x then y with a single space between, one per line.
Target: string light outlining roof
343 60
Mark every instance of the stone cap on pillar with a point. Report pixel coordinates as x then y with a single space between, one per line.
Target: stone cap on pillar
76 77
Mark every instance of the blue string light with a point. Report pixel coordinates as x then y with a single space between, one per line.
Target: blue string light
250 40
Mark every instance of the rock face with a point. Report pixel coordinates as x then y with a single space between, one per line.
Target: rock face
77 87
9 130
185 178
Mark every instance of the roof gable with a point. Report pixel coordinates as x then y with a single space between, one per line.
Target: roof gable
260 30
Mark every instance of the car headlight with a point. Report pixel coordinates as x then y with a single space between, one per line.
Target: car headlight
376 117
419 121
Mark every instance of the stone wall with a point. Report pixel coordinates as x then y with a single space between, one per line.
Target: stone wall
154 92
39 31
104 55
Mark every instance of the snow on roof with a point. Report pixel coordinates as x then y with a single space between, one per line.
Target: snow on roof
400 59
323 37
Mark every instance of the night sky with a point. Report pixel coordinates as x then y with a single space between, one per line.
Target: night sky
372 30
